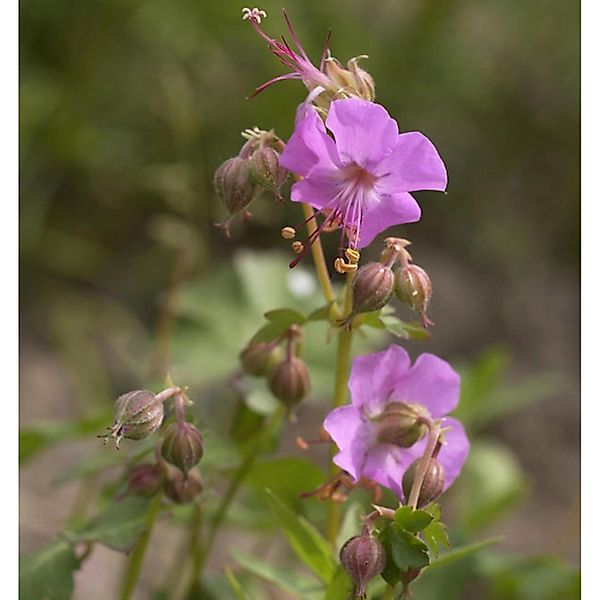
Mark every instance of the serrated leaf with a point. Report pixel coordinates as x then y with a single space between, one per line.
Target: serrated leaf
285 316
47 574
434 510
412 520
340 586
436 535
408 551
464 551
119 527
308 544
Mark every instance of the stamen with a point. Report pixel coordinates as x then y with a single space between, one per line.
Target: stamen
352 255
288 233
253 14
298 247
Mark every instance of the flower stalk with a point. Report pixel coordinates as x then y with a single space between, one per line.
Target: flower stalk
434 435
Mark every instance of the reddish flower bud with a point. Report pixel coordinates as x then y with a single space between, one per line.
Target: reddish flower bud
290 381
401 424
259 359
372 287
413 287
433 482
182 446
144 480
234 184
266 171
182 488
363 558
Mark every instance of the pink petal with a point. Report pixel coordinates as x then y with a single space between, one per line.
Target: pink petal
318 190
414 164
431 382
386 465
364 132
374 376
387 211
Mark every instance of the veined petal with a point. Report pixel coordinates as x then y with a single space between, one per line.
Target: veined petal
318 190
385 211
309 146
414 164
364 132
386 465
431 382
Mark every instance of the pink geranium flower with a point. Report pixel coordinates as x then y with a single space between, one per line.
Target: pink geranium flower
361 178
430 385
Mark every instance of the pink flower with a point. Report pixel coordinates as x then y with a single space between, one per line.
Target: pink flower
361 179
430 386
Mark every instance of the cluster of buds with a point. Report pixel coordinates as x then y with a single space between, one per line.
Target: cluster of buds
287 374
239 180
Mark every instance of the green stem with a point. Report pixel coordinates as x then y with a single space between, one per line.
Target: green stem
134 566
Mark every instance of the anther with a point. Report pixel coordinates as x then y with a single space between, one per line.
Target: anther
253 14
297 247
352 255
337 265
288 233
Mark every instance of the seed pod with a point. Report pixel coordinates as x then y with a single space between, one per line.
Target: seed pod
433 482
259 359
290 381
413 287
363 558
372 287
234 184
400 424
144 480
137 416
266 171
182 488
182 446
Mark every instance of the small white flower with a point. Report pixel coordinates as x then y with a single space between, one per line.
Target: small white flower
253 14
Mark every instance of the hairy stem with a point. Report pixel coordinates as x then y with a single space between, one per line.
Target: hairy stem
423 465
134 566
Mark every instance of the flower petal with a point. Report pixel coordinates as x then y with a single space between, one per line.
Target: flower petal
388 210
318 190
309 146
414 164
364 131
374 377
386 465
431 382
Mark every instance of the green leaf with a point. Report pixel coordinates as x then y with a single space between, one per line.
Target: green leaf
463 552
412 520
119 527
435 535
269 332
236 586
408 551
350 523
47 574
308 544
285 579
321 314
405 331
287 316
340 586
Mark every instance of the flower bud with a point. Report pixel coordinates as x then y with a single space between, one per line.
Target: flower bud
290 381
363 558
266 171
182 488
259 359
401 424
433 482
413 287
353 81
138 415
182 446
371 287
144 480
234 184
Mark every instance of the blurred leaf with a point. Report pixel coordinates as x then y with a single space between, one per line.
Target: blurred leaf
47 574
236 586
289 316
269 332
308 544
320 314
350 524
412 520
340 586
285 579
464 552
405 331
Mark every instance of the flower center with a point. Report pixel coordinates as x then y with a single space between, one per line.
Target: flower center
358 177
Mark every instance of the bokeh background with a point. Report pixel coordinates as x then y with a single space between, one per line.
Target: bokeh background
127 109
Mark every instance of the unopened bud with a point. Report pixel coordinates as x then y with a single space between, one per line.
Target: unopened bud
363 558
259 359
413 287
371 287
352 81
266 171
290 381
433 482
137 416
183 488
401 424
144 480
234 184
182 446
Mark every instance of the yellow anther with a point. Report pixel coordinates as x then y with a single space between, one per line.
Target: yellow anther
288 233
349 267
352 255
337 265
297 247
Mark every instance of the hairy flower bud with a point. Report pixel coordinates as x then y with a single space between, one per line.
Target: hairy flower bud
259 359
372 287
363 558
401 424
137 416
433 482
413 287
144 480
234 184
352 81
182 446
290 381
266 171
182 488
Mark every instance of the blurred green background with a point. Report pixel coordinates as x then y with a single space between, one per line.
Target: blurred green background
129 106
